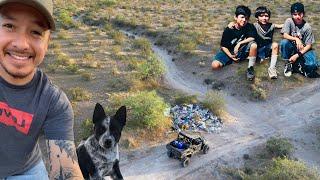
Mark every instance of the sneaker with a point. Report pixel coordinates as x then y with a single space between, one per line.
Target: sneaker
250 73
272 73
287 70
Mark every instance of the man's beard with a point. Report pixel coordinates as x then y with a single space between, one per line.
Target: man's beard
16 75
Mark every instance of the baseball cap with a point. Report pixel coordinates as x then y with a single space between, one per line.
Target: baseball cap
297 8
45 7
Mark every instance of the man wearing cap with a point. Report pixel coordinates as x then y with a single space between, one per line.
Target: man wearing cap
296 47
29 103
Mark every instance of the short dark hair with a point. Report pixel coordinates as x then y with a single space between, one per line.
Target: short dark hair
261 10
244 10
297 8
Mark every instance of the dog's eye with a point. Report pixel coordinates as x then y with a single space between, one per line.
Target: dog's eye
100 130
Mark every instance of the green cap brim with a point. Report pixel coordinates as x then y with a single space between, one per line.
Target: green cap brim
45 7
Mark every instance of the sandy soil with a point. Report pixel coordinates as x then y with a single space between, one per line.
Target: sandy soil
293 114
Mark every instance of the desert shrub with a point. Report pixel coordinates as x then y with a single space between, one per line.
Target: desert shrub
87 76
106 3
119 20
118 84
63 35
146 110
86 129
152 68
64 59
107 27
166 40
282 169
118 37
186 99
98 32
181 27
116 51
289 169
72 68
186 44
152 33
89 36
88 57
55 45
89 18
144 45
79 94
115 100
52 67
90 61
65 19
258 92
279 147
132 23
166 22
197 36
215 102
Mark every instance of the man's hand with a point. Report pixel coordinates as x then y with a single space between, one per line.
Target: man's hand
299 44
63 160
234 58
293 58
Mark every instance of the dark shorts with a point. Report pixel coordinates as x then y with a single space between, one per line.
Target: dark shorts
264 51
224 59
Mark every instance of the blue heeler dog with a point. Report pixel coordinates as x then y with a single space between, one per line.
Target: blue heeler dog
99 155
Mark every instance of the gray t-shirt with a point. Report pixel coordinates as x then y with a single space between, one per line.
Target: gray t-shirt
304 32
25 112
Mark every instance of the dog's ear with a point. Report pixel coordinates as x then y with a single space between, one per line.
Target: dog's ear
118 121
121 116
98 114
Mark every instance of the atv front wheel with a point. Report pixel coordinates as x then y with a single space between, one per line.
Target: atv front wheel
185 161
170 154
205 149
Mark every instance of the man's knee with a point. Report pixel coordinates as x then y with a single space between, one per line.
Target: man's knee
285 43
275 47
253 46
216 65
253 49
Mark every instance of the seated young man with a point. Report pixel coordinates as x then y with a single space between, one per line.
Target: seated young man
296 47
237 43
264 38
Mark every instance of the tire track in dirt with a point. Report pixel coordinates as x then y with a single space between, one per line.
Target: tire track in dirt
253 123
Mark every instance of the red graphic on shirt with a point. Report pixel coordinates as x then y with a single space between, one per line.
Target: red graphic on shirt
16 118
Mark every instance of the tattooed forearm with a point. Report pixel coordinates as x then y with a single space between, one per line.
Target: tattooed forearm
63 160
63 174
49 155
68 147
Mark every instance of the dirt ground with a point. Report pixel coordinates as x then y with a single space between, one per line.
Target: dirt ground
293 114
290 110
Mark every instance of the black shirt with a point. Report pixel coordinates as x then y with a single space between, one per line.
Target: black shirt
231 37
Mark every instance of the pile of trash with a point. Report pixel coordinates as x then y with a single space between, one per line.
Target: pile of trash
193 117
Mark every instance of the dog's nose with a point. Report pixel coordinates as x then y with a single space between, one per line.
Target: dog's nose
108 143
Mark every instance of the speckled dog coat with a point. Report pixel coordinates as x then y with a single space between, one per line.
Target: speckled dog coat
99 155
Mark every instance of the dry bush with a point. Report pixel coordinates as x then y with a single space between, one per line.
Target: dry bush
215 102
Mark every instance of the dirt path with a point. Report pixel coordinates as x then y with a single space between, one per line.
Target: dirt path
293 115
